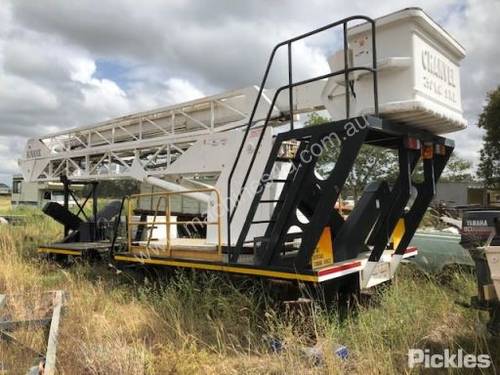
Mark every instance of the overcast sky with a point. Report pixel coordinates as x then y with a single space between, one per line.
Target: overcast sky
70 63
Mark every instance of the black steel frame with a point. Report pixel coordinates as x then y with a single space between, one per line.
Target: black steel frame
346 72
376 214
68 192
116 225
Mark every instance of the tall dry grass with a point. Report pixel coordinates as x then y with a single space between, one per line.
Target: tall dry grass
187 322
5 205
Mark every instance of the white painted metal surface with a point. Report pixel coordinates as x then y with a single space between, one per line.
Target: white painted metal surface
492 253
38 193
419 80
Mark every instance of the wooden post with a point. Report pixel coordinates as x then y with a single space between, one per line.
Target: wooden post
50 357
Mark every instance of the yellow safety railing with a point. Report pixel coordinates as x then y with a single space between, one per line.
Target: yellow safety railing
166 197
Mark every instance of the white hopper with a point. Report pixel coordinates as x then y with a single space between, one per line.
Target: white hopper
418 80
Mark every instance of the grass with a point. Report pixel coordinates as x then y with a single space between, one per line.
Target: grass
130 323
4 203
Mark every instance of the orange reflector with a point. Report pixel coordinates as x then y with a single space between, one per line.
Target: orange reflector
427 152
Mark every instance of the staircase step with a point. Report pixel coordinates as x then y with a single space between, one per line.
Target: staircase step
270 201
262 221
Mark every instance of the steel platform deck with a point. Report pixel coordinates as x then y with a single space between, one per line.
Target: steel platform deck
75 248
246 266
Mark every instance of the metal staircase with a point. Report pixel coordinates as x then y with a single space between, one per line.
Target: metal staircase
294 184
306 202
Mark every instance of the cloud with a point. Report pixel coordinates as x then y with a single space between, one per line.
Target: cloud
474 23
9 145
180 90
24 95
100 95
67 64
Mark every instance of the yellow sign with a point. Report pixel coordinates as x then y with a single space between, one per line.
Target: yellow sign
323 253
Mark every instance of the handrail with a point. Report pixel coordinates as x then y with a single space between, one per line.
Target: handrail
230 213
167 208
166 195
273 102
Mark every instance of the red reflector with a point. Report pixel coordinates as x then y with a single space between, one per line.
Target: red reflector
412 143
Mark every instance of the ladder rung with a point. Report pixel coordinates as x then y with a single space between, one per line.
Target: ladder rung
271 201
262 221
279 180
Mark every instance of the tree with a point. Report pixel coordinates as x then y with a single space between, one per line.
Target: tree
376 163
457 170
489 120
372 164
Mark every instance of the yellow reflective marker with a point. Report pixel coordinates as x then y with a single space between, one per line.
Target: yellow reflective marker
398 233
323 253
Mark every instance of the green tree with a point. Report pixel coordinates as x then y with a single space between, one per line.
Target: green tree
457 170
372 164
489 120
376 163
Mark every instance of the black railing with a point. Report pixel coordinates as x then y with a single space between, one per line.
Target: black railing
346 71
116 225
